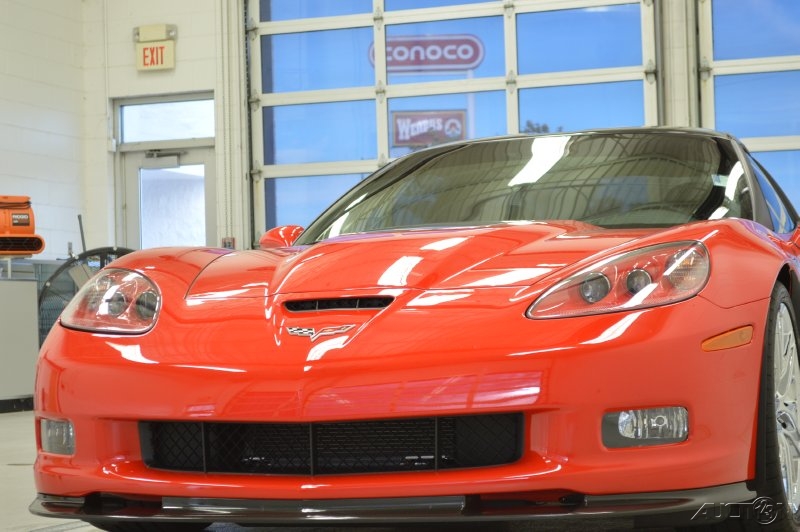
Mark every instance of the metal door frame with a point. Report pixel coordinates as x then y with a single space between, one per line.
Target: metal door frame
136 156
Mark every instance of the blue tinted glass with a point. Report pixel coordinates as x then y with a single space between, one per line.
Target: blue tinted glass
291 9
576 107
320 132
784 167
445 50
755 28
416 4
428 120
298 200
781 219
317 60
758 105
574 39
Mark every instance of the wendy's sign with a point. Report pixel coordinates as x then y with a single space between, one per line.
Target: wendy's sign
427 128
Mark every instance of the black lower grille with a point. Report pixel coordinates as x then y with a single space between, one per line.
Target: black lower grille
414 444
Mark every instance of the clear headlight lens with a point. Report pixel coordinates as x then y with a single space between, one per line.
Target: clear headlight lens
647 277
115 301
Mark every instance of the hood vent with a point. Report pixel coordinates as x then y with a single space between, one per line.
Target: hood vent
339 303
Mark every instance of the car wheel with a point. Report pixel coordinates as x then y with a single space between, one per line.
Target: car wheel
144 526
777 504
779 419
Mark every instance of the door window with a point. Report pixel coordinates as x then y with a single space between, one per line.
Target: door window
172 206
168 186
167 120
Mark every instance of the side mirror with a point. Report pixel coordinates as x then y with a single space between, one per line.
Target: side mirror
795 238
279 237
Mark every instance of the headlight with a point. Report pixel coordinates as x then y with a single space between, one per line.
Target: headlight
115 301
647 277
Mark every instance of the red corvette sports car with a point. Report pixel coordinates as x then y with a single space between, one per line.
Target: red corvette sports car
529 327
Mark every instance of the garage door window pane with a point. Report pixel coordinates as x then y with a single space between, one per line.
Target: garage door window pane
321 132
416 4
758 105
299 200
574 39
576 107
446 50
784 167
423 121
293 9
745 29
313 60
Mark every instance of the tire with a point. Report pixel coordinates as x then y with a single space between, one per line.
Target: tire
776 507
144 526
778 453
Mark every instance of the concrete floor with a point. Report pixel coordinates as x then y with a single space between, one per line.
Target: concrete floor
17 454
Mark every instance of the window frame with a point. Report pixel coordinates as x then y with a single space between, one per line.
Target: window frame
511 83
772 194
709 69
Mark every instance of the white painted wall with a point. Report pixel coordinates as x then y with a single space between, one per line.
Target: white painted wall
110 73
41 114
62 65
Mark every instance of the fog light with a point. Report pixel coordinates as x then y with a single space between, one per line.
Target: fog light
58 436
651 426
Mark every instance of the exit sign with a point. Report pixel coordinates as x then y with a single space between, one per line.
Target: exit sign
155 55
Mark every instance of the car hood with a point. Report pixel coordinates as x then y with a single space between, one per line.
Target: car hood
516 254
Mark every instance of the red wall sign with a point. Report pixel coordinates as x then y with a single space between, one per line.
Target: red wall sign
414 53
155 55
426 128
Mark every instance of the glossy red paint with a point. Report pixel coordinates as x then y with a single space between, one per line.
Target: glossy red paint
280 236
680 280
221 351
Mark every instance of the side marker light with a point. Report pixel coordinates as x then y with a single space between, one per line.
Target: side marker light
735 338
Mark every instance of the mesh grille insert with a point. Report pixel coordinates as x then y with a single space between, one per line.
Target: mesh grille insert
413 444
339 303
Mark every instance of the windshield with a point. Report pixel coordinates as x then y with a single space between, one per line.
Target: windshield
630 179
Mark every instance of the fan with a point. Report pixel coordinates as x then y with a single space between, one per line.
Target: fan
65 282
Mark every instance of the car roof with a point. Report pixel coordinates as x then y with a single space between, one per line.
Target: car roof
697 131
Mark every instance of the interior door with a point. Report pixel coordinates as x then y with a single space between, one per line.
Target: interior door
170 198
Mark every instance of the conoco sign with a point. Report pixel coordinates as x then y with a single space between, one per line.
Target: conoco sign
412 53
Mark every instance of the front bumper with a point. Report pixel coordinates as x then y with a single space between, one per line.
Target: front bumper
561 376
662 508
